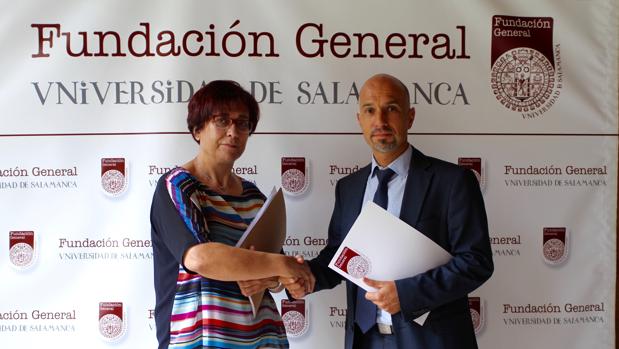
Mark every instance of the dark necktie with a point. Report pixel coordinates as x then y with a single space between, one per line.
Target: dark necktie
365 311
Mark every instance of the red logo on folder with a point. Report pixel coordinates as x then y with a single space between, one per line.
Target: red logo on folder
352 263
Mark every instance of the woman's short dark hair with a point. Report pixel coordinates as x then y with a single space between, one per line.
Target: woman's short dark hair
218 95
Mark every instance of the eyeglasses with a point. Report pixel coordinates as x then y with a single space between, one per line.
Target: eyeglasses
223 121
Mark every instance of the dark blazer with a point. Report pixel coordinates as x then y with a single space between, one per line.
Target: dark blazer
443 201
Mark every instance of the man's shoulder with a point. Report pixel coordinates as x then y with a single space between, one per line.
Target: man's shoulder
444 165
438 166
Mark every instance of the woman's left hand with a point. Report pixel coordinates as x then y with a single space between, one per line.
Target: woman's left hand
251 287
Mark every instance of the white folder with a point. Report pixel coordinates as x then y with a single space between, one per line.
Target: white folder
380 246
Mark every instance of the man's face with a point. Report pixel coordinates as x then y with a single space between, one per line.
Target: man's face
384 115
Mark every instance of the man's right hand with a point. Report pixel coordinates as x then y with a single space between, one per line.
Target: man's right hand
299 287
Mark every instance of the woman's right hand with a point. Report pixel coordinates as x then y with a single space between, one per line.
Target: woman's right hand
251 287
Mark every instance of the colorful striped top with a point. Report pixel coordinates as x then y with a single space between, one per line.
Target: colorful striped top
208 313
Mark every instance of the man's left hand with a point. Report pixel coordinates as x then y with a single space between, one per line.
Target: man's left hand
385 297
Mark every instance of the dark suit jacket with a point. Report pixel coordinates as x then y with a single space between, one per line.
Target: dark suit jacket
443 201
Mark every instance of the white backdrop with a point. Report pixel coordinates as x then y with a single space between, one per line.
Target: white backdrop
61 115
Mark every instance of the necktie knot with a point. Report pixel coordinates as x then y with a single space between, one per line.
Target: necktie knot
383 175
381 197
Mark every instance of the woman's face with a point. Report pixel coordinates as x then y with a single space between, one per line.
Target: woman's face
224 136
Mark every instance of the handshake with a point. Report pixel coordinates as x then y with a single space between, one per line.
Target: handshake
293 273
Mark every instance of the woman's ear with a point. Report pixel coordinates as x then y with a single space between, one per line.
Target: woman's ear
195 136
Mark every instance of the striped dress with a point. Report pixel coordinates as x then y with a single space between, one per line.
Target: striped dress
214 314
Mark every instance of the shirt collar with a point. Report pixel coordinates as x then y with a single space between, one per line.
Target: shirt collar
400 166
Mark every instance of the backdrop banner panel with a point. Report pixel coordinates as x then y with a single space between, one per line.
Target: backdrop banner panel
94 102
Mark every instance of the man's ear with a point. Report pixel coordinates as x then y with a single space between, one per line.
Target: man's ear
411 117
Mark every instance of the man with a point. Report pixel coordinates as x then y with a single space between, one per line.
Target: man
438 198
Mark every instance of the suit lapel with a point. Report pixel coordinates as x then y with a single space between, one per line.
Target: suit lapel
417 184
358 181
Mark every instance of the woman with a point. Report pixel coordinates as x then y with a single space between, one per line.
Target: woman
199 212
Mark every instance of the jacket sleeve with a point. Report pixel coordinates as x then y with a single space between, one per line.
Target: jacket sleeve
326 278
467 236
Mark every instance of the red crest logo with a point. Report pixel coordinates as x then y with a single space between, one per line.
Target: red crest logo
295 179
22 252
555 245
523 64
112 320
475 165
478 316
113 176
295 317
